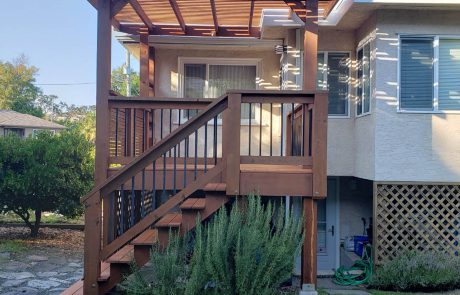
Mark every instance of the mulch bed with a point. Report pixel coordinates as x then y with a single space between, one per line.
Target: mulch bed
65 239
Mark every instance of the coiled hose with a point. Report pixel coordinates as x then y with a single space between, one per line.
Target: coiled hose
359 274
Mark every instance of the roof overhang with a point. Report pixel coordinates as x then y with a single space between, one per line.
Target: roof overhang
349 14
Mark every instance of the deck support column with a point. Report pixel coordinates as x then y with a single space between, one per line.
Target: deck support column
93 214
147 65
310 60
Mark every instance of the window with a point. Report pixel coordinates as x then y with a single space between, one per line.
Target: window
333 75
417 74
213 78
18 131
429 76
35 132
363 105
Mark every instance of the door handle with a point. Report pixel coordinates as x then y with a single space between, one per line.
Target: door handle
331 230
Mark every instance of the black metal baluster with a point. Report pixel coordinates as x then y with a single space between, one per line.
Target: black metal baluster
205 145
164 176
310 136
178 122
188 118
116 132
174 171
292 130
303 130
282 128
143 194
143 129
215 140
249 138
121 228
126 131
153 127
170 126
154 186
271 129
260 131
134 133
161 124
185 161
132 202
196 152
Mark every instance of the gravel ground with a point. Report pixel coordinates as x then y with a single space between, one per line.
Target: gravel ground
45 265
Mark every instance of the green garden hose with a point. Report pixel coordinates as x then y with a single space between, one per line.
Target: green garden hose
360 273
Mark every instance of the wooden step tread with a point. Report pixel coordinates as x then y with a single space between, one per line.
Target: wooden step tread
262 168
215 187
147 238
193 204
105 272
170 220
124 255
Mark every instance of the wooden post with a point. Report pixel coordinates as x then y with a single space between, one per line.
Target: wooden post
231 143
309 253
93 214
151 71
309 262
144 63
310 46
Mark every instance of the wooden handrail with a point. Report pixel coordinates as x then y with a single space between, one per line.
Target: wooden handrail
161 147
159 102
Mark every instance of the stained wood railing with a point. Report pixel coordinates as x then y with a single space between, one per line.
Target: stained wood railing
177 154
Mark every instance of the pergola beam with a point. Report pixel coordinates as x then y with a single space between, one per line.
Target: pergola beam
178 14
214 16
195 30
141 13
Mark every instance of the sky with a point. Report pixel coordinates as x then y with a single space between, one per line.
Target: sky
59 38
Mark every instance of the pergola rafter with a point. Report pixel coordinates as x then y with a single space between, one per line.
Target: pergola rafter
214 16
178 14
251 15
141 13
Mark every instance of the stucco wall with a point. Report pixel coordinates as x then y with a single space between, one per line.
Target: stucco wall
340 130
412 147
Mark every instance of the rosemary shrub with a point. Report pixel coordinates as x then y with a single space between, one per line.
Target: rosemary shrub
248 251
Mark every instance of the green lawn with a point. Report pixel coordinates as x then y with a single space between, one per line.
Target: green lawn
15 246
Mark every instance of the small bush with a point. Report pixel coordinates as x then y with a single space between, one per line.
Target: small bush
419 271
249 251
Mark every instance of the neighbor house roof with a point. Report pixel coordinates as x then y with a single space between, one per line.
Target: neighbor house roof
14 119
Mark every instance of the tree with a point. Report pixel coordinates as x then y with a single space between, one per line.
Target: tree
17 89
46 173
119 81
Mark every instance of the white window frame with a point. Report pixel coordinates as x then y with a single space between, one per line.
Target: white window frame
35 131
436 39
257 62
325 76
361 45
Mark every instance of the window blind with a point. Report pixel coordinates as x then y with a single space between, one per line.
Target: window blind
449 74
417 73
337 81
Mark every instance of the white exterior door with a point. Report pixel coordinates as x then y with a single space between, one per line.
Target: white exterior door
328 241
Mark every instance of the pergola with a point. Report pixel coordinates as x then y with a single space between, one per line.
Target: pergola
206 19
220 18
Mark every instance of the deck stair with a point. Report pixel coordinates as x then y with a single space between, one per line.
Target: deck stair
138 250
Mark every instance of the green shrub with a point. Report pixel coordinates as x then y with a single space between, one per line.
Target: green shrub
248 251
419 271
